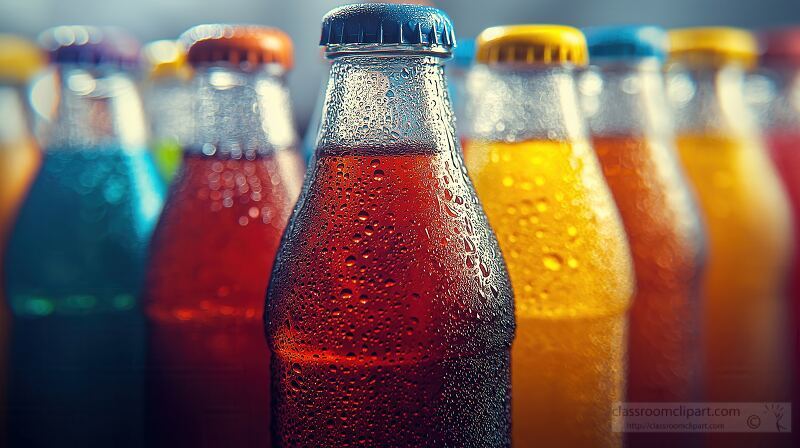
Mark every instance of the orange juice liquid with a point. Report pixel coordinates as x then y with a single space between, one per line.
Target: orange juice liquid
748 223
570 267
18 164
667 246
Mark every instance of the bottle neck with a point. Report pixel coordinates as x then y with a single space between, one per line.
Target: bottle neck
97 109
626 98
711 100
386 104
517 103
238 113
14 127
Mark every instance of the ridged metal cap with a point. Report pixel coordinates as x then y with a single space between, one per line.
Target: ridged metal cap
247 46
20 59
377 24
531 44
91 46
626 42
714 45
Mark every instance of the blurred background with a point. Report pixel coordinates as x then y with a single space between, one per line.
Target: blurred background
160 19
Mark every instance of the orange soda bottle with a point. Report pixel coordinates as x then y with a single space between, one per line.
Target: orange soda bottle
626 107
19 153
747 215
19 159
559 230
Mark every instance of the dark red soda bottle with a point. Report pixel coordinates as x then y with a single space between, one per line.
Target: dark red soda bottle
780 68
389 311
230 202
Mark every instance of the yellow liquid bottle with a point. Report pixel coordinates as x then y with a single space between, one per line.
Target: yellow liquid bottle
561 236
19 160
747 216
749 247
167 94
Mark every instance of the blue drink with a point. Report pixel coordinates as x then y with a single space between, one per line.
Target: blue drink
80 242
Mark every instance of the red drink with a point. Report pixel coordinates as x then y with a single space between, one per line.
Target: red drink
207 386
213 248
214 245
785 149
211 258
389 309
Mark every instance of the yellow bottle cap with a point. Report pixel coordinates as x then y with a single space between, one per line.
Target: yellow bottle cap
20 59
165 59
532 44
713 45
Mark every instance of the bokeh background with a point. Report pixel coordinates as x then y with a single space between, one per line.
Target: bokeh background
162 19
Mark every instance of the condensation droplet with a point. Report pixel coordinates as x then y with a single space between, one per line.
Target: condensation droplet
552 262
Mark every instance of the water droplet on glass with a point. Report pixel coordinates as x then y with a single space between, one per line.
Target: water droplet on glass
552 262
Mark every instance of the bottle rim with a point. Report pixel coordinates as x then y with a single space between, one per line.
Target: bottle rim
335 50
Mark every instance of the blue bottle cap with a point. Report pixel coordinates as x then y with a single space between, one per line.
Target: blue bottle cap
626 42
464 53
91 46
378 24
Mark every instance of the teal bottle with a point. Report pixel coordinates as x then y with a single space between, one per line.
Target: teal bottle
76 255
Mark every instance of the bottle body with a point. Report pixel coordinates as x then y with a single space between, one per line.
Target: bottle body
632 136
74 265
80 240
566 251
389 282
211 255
233 197
748 223
782 127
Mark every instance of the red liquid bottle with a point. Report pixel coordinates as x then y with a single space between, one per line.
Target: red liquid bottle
389 311
781 120
214 245
634 142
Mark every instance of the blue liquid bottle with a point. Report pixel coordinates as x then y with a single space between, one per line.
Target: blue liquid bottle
76 255
80 241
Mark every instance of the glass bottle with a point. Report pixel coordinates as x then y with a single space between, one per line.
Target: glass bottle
80 241
20 60
167 95
746 211
629 117
76 254
535 172
780 63
389 311
214 245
